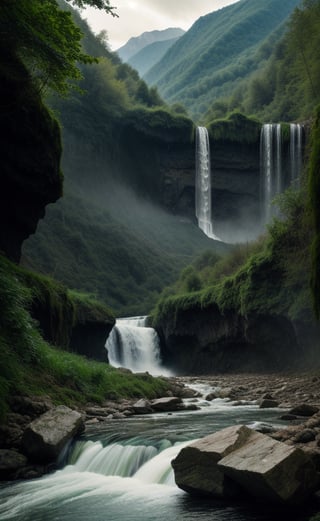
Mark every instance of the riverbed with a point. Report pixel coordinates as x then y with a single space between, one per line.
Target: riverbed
120 470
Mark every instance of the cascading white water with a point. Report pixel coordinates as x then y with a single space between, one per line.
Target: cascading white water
133 345
127 474
144 462
271 165
203 183
296 135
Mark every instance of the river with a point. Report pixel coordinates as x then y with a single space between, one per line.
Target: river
120 470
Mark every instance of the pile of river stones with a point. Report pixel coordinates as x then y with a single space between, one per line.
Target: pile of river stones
242 458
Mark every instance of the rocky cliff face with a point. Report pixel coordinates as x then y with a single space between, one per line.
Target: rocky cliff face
161 167
204 341
235 186
30 152
69 322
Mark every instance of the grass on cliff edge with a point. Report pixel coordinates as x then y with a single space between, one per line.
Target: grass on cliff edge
30 366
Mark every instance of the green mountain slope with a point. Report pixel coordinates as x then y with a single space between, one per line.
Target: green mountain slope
220 48
149 55
286 88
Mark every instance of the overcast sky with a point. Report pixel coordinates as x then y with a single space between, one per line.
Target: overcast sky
138 16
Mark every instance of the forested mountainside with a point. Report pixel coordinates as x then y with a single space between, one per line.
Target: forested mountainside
218 50
138 43
145 59
105 237
286 87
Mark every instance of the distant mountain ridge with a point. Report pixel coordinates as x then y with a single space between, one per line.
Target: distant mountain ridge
218 49
135 44
145 59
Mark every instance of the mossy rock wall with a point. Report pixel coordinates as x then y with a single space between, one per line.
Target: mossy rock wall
69 320
30 151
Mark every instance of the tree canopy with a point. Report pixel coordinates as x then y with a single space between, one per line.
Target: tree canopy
46 39
100 4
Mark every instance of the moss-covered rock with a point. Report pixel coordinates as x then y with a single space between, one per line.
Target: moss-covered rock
66 319
237 128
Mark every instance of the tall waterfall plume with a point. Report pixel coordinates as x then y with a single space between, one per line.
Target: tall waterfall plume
279 169
133 345
203 183
271 165
296 138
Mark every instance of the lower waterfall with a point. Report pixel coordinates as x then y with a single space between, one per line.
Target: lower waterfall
133 345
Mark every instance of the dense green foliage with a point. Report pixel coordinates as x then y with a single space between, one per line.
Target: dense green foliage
287 86
30 366
314 193
235 128
220 48
45 38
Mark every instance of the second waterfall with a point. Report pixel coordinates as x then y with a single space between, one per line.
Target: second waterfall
281 162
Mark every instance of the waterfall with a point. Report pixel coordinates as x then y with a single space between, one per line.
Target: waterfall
277 172
133 345
148 463
203 183
296 134
271 165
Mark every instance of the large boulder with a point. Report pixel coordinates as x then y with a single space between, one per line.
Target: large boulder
10 462
239 460
271 471
196 466
170 403
45 437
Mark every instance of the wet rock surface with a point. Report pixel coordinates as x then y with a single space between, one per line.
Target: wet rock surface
238 460
45 437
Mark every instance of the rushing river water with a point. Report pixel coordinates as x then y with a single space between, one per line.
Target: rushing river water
120 471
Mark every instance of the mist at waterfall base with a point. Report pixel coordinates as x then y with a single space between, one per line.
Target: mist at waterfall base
120 470
280 168
135 346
